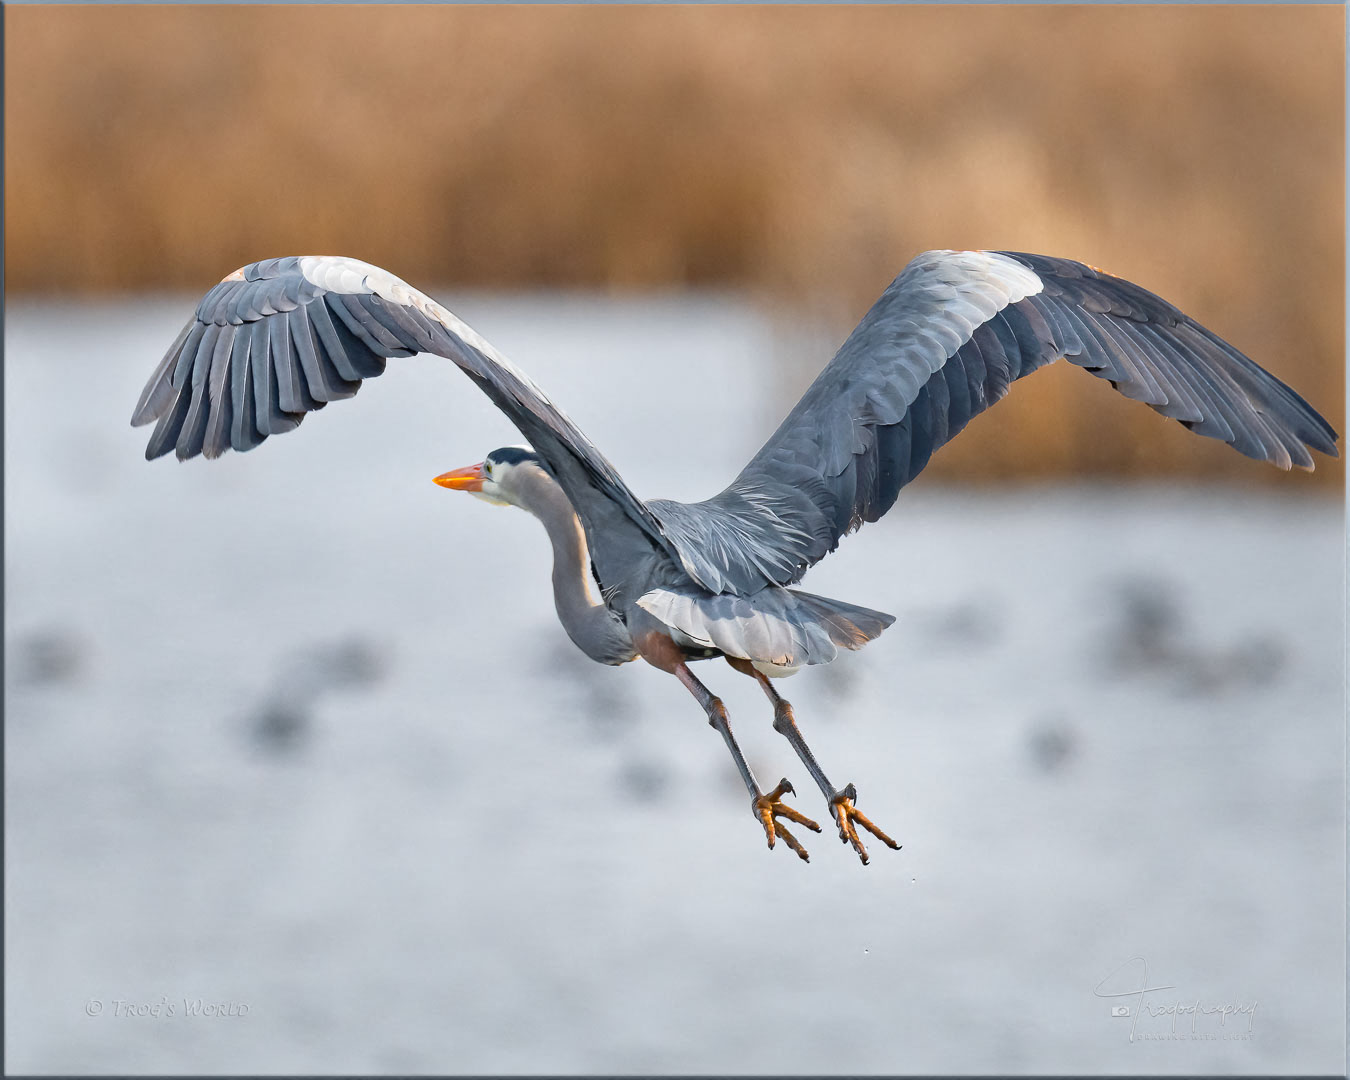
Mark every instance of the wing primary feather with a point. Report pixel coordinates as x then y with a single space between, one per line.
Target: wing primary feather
844 501
1154 386
1189 383
351 309
958 389
1095 356
406 323
892 466
1001 376
940 408
986 355
921 437
243 433
308 372
165 436
216 389
1174 398
284 360
222 408
1261 440
1276 398
1036 345
318 363
182 372
361 355
160 388
263 380
1211 423
239 380
1067 340
1134 382
1131 374
280 420
194 425
336 344
1235 415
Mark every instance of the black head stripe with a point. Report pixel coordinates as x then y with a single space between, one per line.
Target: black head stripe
513 455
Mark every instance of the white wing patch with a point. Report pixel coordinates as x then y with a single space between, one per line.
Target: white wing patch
339 274
978 278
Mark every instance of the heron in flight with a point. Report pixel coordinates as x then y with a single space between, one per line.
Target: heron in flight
675 582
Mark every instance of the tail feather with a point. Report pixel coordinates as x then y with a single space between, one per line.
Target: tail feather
850 625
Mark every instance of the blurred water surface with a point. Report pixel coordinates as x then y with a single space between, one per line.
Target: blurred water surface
296 734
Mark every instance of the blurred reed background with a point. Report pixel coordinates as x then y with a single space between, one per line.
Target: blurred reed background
802 153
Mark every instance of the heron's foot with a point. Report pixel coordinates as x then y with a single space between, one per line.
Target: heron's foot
848 817
771 806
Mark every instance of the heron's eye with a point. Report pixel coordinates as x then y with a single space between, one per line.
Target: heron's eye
487 469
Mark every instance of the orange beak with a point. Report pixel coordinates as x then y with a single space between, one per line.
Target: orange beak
466 479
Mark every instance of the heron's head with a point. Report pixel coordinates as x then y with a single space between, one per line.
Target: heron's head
506 477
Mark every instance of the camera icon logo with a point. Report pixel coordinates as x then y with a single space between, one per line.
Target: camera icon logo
1120 1010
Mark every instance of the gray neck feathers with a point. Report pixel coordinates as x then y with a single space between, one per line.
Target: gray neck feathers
593 628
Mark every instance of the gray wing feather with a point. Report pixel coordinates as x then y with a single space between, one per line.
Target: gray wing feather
287 378
943 343
155 397
228 354
194 424
281 338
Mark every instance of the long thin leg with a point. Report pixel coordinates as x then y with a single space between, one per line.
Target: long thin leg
717 717
766 807
841 801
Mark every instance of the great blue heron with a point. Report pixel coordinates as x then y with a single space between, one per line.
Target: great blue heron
680 581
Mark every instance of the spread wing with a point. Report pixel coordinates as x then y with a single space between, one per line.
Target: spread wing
942 344
284 337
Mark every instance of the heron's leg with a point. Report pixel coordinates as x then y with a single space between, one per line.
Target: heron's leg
766 807
840 800
658 649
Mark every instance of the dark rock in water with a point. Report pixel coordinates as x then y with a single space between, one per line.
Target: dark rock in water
1053 745
283 723
645 781
1248 664
1149 633
1152 640
282 728
355 662
329 666
51 657
966 625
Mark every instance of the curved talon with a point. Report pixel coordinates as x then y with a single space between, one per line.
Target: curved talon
770 806
845 814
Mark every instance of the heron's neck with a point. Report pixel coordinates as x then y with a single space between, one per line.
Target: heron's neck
588 622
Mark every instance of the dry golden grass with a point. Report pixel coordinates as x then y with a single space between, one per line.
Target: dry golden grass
803 152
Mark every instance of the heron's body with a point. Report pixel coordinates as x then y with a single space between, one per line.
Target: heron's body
674 582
